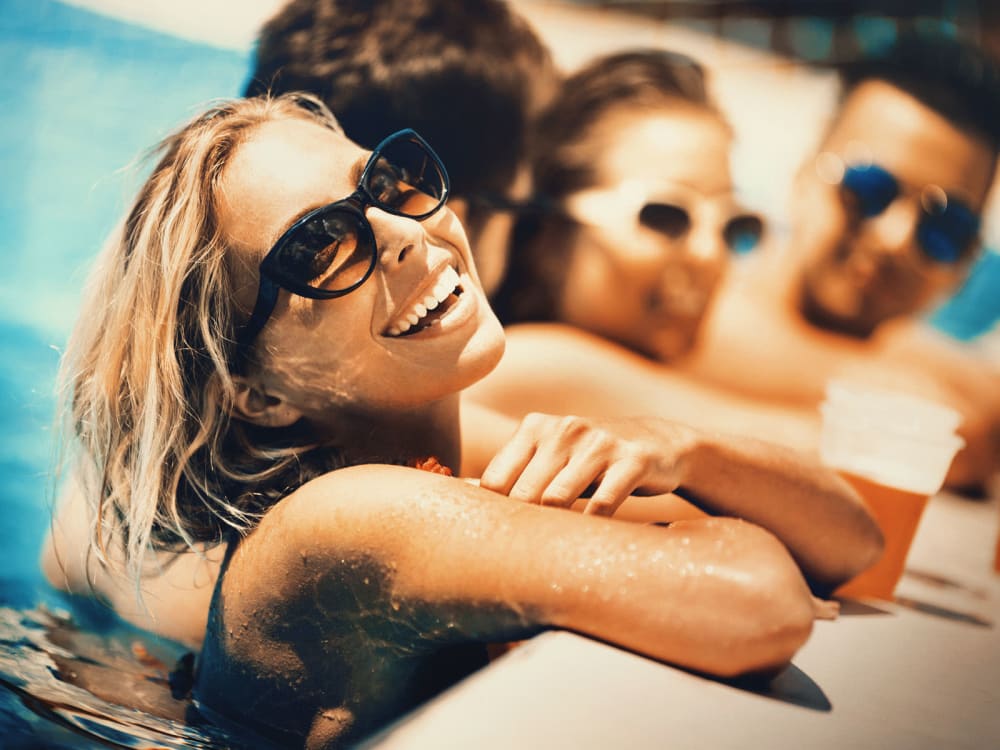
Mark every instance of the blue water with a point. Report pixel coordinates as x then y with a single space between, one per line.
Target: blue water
81 95
975 308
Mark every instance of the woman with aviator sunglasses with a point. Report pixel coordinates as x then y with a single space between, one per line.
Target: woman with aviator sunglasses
265 364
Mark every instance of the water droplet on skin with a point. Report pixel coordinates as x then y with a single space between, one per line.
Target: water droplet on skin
395 605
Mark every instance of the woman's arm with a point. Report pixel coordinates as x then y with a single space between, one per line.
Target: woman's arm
329 615
719 595
816 514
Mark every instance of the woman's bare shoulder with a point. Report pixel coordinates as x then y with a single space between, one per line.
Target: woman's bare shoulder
377 484
376 505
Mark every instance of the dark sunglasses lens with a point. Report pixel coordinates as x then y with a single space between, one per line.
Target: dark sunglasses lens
947 235
330 251
870 189
743 233
406 179
671 221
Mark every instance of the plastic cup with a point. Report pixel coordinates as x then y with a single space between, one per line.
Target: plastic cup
895 449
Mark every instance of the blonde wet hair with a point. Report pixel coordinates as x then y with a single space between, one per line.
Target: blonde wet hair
148 376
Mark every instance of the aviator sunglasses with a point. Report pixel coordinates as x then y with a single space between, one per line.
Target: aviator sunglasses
947 228
331 251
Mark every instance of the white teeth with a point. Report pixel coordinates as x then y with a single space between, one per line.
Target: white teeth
445 285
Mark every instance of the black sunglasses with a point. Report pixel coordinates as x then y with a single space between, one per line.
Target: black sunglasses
947 229
331 251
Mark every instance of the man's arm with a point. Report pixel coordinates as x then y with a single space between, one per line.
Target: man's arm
754 345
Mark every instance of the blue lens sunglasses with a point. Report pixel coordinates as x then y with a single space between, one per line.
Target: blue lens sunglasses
947 229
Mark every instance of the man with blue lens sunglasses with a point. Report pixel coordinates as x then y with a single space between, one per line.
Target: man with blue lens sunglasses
886 222
887 216
893 214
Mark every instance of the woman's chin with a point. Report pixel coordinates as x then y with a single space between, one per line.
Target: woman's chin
484 350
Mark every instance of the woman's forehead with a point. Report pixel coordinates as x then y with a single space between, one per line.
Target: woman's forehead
285 168
686 146
292 151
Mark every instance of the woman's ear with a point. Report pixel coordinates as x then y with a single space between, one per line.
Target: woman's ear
255 405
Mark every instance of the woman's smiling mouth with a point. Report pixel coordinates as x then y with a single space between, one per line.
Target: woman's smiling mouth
429 309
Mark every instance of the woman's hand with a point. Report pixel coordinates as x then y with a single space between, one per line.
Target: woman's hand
555 460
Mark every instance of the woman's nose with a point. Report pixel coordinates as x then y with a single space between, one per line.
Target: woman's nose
396 237
705 246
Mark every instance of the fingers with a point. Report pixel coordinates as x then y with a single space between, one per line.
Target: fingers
619 481
583 469
510 461
549 460
553 460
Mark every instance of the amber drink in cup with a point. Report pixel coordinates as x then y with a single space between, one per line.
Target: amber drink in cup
895 449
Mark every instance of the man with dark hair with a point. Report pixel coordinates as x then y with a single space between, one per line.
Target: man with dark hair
885 223
468 75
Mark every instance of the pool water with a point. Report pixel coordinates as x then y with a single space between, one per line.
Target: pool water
69 682
82 96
